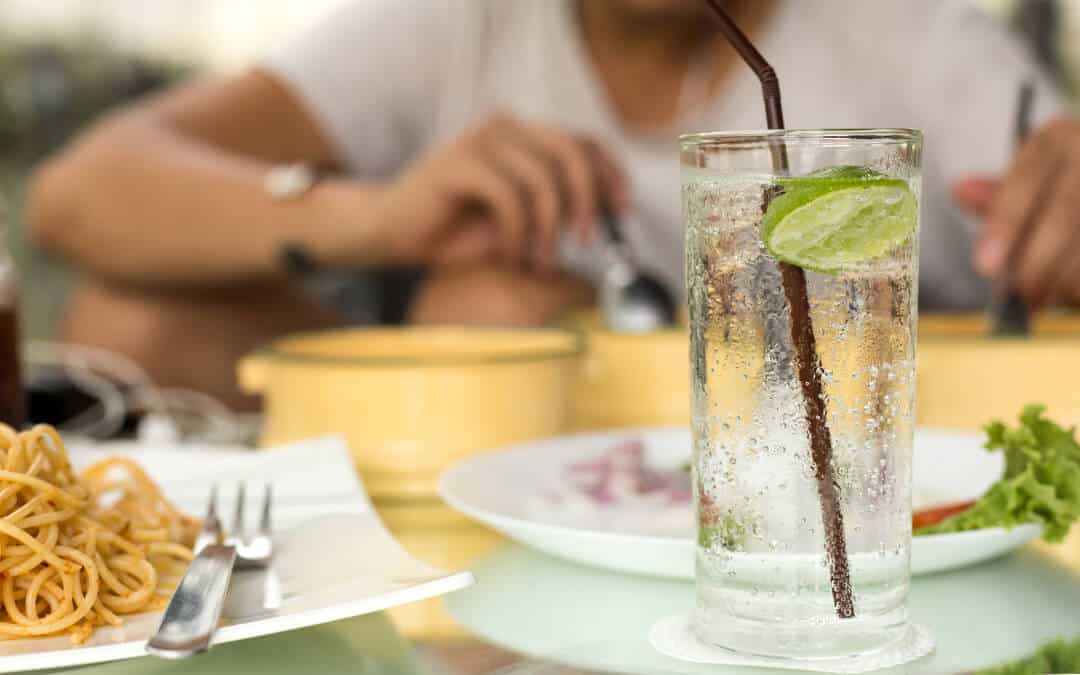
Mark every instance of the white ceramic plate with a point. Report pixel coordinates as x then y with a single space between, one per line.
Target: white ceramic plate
334 558
498 489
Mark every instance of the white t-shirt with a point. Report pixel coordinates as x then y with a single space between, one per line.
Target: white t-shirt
388 79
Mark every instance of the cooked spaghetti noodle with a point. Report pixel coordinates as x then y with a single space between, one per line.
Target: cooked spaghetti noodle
77 551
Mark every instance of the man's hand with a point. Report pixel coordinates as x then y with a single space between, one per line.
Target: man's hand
495 295
503 190
1031 217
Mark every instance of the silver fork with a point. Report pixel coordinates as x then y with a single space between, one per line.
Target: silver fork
252 551
193 614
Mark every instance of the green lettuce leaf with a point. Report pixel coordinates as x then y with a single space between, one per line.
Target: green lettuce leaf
1040 484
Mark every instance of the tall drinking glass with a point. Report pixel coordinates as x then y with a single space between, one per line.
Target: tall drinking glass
787 531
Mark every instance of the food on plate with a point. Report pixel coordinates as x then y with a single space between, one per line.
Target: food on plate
718 528
933 515
619 491
622 475
1040 484
78 551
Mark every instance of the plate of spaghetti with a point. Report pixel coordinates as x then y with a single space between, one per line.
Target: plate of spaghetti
91 548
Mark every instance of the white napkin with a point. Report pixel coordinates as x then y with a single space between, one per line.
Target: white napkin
673 637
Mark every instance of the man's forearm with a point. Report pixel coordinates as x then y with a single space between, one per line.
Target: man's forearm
137 203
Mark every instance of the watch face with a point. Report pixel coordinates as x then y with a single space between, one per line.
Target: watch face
289 181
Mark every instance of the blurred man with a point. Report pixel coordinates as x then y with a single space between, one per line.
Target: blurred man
479 138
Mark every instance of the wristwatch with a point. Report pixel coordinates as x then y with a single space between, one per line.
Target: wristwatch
289 181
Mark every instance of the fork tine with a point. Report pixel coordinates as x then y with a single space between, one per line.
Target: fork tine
264 520
211 508
238 530
210 533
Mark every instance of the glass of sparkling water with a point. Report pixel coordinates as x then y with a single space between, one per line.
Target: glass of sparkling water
802 475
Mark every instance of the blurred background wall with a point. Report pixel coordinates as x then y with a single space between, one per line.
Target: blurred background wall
218 34
64 62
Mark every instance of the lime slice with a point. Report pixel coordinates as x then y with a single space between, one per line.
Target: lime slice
830 219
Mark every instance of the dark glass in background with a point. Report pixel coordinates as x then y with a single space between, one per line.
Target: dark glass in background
12 394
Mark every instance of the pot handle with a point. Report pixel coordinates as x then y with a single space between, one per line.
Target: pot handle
251 373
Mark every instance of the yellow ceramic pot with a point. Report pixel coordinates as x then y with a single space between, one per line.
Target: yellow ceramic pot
411 401
966 379
631 380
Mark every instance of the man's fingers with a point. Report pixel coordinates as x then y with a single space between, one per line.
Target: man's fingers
532 180
1066 288
534 174
476 180
471 241
975 194
1017 201
579 175
612 179
1050 246
613 192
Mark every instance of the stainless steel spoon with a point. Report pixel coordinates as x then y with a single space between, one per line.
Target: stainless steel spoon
632 301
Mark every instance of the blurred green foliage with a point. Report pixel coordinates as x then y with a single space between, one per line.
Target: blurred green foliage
48 91
1058 656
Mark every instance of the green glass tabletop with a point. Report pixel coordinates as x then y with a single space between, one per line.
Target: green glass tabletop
544 616
368 644
596 620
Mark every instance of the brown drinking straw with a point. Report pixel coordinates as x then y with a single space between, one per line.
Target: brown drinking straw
802 335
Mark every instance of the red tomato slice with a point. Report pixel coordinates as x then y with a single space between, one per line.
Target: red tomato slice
936 514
